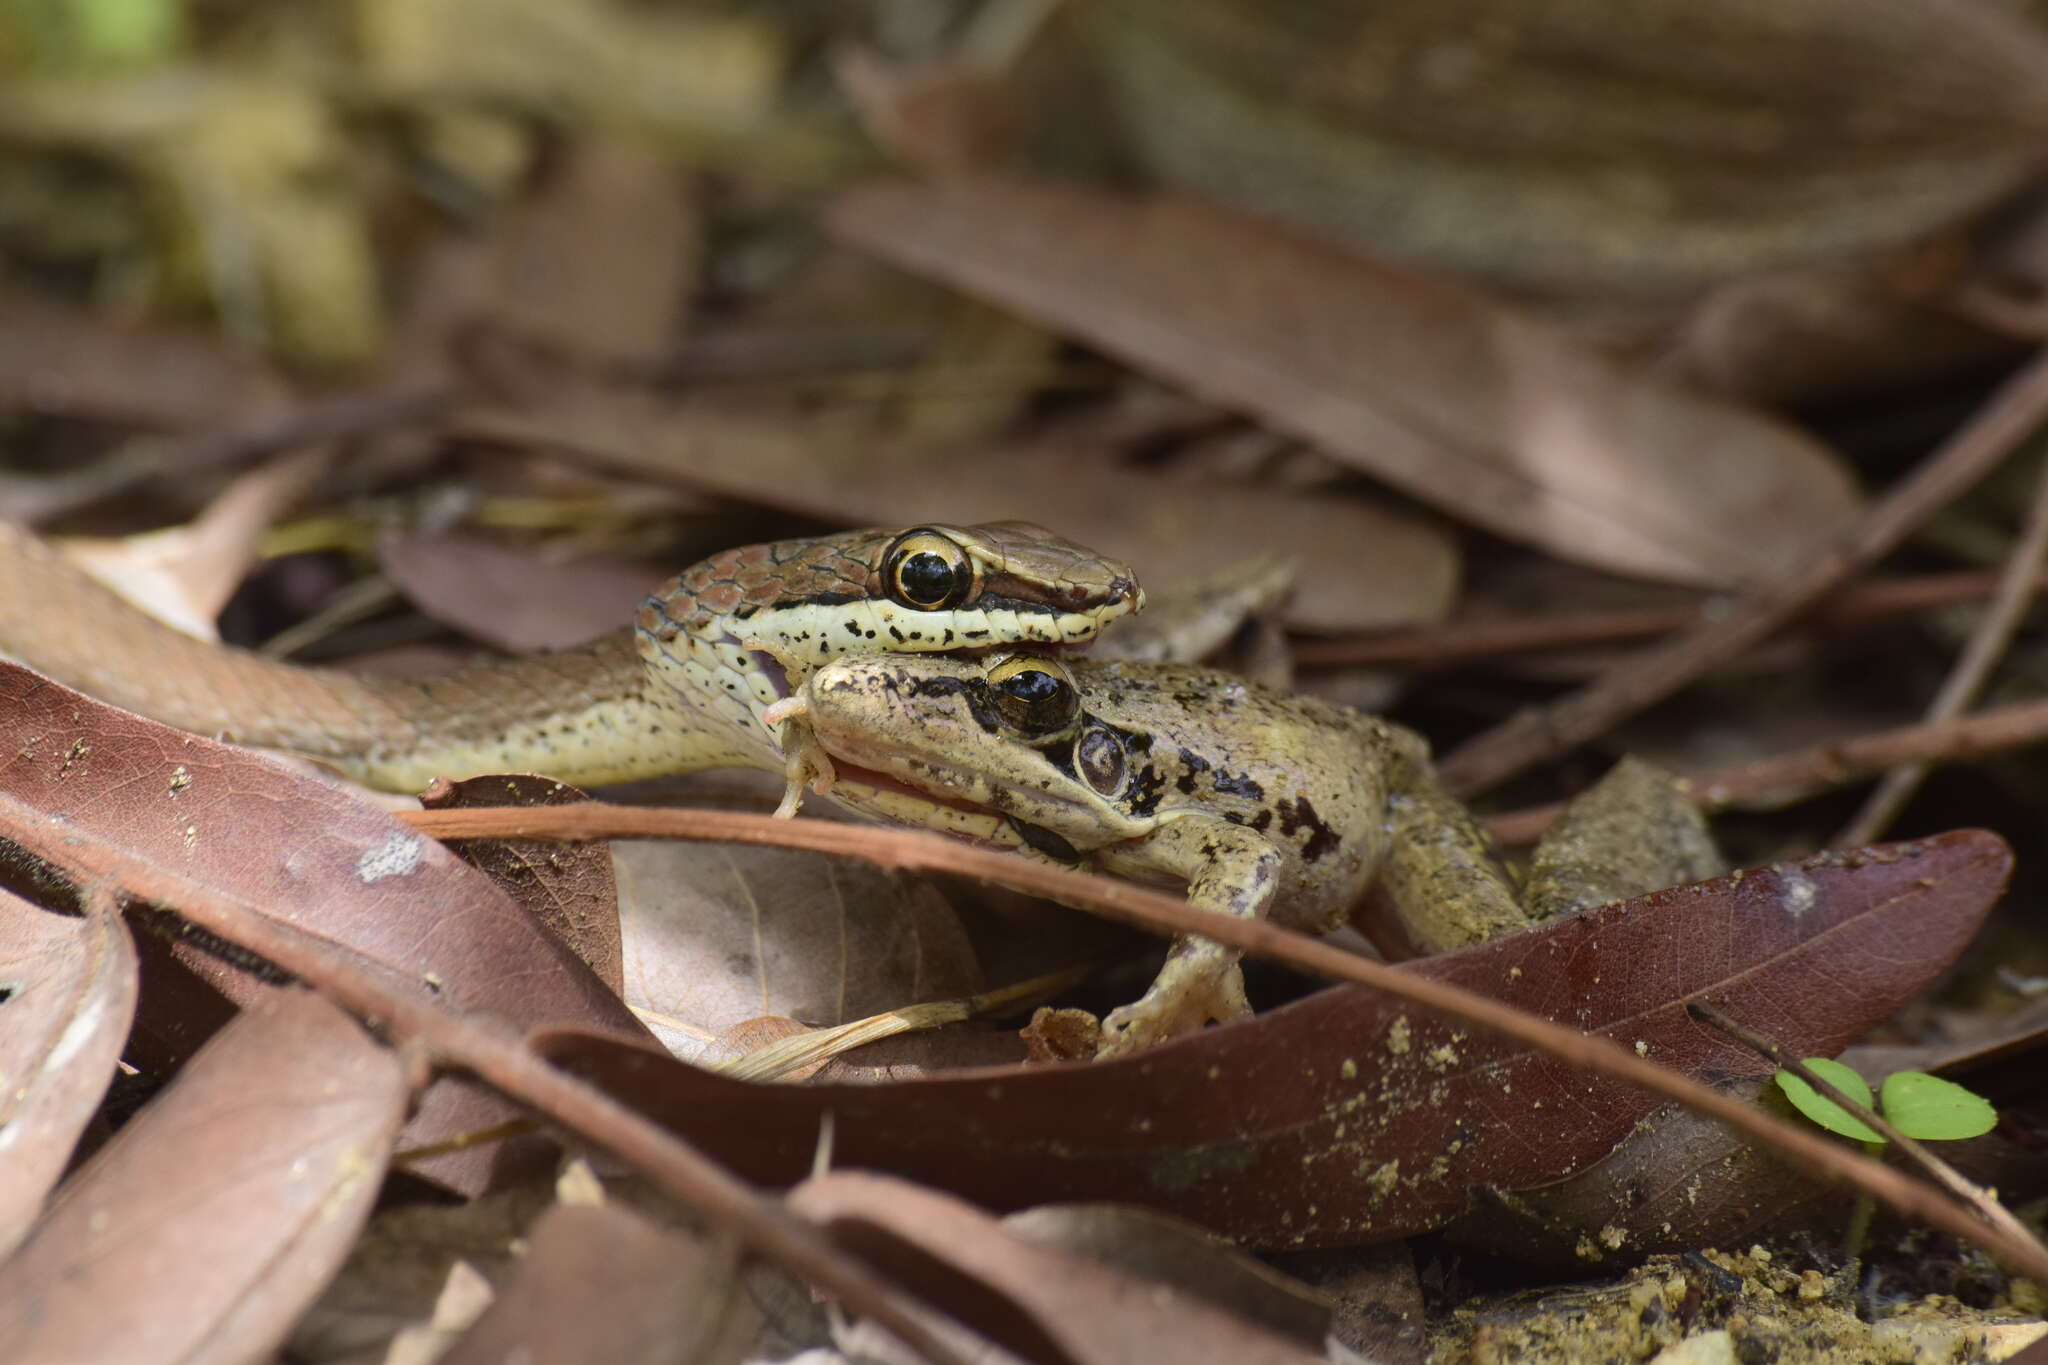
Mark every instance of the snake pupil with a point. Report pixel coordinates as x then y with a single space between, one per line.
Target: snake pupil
926 578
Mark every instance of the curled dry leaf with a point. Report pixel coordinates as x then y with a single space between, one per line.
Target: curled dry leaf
207 1225
1468 406
109 798
717 935
1654 144
1048 1304
601 1283
1361 566
1347 1118
67 994
1148 1245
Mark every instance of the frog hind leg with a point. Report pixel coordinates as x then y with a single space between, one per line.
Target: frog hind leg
1441 884
1632 832
1230 870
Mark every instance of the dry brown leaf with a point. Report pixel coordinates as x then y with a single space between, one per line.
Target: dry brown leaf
601 1283
514 598
207 1225
599 262
1480 411
61 360
67 994
717 935
1361 565
1039 1303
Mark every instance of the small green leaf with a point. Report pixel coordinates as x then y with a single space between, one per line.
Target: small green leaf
1924 1106
1826 1112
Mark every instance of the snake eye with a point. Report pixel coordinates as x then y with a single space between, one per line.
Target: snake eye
1099 758
926 571
1035 695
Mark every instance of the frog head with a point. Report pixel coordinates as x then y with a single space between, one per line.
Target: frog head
1012 735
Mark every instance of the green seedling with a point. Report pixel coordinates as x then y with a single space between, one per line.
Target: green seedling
1923 1107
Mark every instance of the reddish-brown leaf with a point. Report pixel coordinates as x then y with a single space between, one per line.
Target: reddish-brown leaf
108 797
567 887
207 1225
67 994
1485 413
1346 1117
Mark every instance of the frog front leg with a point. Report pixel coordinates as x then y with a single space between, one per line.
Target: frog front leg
1229 869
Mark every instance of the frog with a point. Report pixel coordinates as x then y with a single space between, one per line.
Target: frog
1262 803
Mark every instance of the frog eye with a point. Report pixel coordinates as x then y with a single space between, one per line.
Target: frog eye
1035 695
1099 758
927 571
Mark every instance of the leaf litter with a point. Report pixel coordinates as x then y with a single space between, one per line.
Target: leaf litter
654 349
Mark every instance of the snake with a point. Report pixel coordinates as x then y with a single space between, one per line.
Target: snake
682 689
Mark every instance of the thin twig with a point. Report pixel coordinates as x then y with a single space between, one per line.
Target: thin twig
908 850
1943 1174
1537 733
1965 682
1789 777
1460 641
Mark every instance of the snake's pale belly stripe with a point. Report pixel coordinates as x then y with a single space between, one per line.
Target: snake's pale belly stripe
677 692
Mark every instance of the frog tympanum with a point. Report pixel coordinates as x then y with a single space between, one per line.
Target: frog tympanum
1262 803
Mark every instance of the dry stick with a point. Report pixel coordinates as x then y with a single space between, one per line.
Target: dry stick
1536 733
918 851
1458 641
1987 645
488 1049
1948 1177
1789 777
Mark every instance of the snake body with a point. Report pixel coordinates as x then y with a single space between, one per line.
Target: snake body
680 690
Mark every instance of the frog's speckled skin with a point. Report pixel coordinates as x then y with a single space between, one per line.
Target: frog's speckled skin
1260 801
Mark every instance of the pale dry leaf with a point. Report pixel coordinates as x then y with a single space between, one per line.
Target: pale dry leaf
1480 411
184 575
67 995
210 1222
716 935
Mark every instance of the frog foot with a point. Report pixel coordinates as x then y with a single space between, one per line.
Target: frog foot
805 762
1177 1003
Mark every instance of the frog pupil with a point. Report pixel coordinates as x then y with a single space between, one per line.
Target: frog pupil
926 578
1032 685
